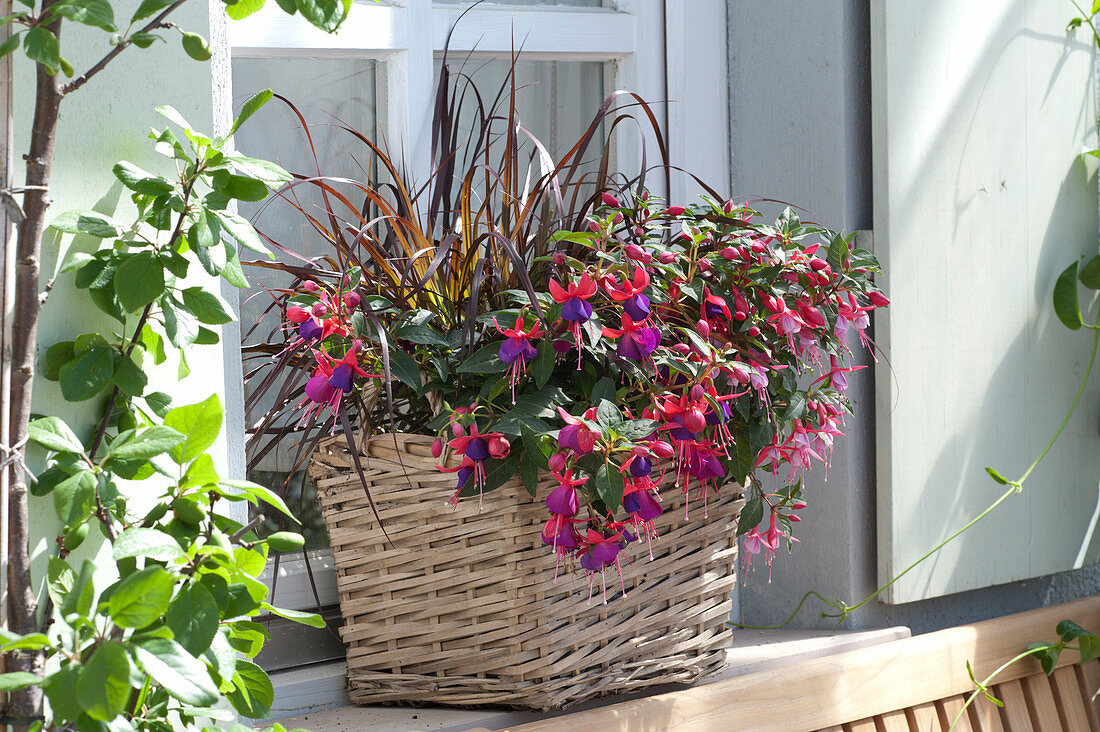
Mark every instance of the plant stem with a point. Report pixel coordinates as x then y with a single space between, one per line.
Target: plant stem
22 602
985 683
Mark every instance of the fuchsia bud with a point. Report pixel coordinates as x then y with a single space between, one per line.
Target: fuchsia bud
703 328
818 264
357 345
557 462
682 348
697 392
684 236
666 257
593 226
794 517
618 218
754 331
704 265
798 505
729 253
639 231
310 286
740 315
729 206
499 447
458 430
319 310
609 199
878 299
559 258
645 195
674 210
759 247
437 447
694 420
352 299
635 252
662 449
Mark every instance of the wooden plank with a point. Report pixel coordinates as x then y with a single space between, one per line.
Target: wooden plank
985 715
1015 714
892 722
863 725
1040 702
1068 698
923 718
1088 678
951 709
846 686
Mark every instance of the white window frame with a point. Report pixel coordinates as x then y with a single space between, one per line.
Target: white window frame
652 44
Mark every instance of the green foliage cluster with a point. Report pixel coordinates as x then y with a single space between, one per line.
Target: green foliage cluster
162 645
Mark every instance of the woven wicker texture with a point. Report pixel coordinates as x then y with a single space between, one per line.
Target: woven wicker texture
462 608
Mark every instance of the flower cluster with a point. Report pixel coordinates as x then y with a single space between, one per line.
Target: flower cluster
687 336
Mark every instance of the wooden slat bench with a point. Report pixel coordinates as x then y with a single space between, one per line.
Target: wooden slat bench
908 685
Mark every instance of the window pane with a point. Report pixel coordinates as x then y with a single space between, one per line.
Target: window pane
568 3
330 93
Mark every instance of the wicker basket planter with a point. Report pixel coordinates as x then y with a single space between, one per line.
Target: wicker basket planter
463 609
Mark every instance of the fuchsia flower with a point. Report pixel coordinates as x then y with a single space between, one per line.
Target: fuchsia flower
475 448
576 435
629 293
517 350
714 306
331 380
636 340
562 501
575 308
598 552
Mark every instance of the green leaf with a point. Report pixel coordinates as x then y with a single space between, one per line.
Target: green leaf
232 272
253 693
10 44
138 281
57 356
605 390
1048 656
200 425
609 486
33 641
268 172
421 334
129 376
1090 274
18 680
60 688
240 187
241 231
1089 646
533 447
483 361
996 476
529 474
142 181
142 39
258 492
74 497
1068 630
146 444
751 516
87 375
404 367
53 434
41 46
243 8
158 402
148 8
104 684
608 414
207 306
311 619
181 327
181 674
325 14
87 222
247 637
79 598
96 13
196 46
60 579
149 543
637 429
1066 305
249 108
193 618
497 473
140 599
542 368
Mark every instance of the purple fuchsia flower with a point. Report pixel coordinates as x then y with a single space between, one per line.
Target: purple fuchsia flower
575 308
563 501
598 552
640 501
629 293
699 459
517 350
331 380
576 435
637 341
475 448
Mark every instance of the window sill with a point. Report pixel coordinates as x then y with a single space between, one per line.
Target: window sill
317 693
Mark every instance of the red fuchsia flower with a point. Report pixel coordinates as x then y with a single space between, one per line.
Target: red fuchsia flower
559 533
517 350
852 314
837 375
331 380
476 448
641 502
700 460
687 413
630 293
637 341
576 435
597 552
575 308
563 499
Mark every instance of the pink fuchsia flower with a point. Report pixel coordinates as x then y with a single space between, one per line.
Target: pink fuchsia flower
850 313
630 293
517 350
597 552
563 499
637 341
699 459
576 435
713 306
